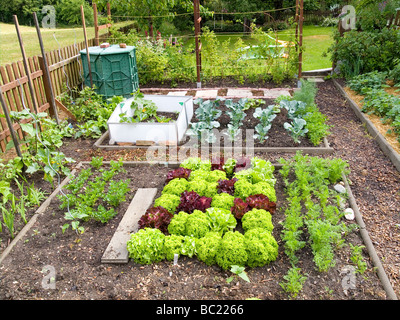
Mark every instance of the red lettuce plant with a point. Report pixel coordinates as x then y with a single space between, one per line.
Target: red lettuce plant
178 173
156 217
227 186
242 163
191 200
239 208
217 163
261 201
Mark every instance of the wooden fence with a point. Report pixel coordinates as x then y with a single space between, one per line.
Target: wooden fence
65 69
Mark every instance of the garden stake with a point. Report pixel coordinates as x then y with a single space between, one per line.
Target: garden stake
10 125
46 73
21 44
86 46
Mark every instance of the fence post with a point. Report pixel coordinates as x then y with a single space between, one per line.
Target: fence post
96 25
301 2
197 19
46 74
87 46
28 74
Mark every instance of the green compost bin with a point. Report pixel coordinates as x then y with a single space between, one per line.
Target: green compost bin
114 70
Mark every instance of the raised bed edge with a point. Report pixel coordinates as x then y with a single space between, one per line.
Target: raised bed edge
386 148
326 149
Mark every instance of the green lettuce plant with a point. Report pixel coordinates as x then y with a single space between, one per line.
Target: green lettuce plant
232 250
146 246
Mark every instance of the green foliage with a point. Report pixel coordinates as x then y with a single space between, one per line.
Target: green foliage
91 111
146 246
357 258
208 176
232 250
90 198
365 51
240 272
264 188
294 282
220 220
321 220
307 93
257 218
243 188
297 128
173 245
367 81
207 114
69 12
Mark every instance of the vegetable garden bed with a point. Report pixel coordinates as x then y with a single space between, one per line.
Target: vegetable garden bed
384 144
286 124
79 273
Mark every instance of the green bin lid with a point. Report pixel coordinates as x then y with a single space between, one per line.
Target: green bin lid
112 49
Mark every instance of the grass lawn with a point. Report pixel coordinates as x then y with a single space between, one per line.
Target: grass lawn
316 40
9 45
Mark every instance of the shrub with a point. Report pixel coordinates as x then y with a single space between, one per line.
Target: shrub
365 51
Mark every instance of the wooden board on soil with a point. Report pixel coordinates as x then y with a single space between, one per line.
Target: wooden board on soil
116 251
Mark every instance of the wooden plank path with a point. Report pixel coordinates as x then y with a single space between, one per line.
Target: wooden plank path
116 251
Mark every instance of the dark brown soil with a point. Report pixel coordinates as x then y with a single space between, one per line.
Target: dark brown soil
168 115
81 275
278 136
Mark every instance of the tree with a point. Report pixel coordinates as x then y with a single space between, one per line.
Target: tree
146 8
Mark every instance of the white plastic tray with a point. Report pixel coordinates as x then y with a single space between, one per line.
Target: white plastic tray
172 132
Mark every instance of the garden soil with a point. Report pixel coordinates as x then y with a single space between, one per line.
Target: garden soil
76 259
